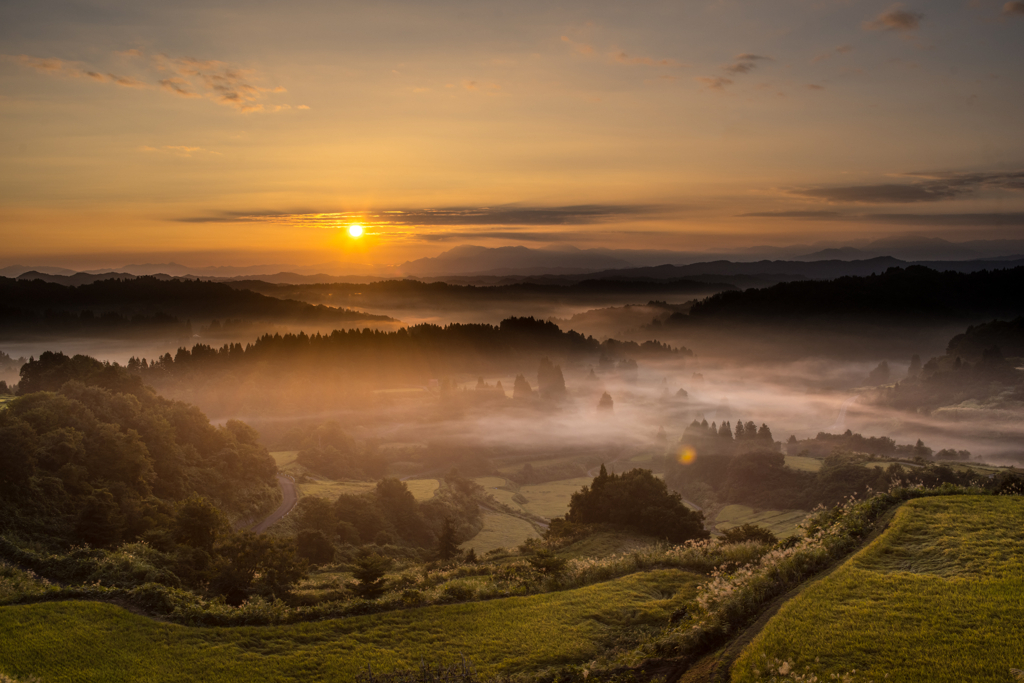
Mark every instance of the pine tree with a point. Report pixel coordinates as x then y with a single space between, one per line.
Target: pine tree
447 545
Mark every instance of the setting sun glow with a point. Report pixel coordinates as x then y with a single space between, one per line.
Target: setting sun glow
355 230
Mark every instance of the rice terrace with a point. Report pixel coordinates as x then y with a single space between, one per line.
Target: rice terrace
441 341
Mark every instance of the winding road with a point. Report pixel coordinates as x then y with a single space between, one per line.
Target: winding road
291 495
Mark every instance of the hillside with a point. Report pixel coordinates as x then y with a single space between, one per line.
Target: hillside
147 304
936 598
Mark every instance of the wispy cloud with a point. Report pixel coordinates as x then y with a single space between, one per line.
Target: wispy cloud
619 56
715 82
178 150
743 64
577 47
216 80
932 187
623 57
934 219
60 67
895 19
1014 8
183 76
506 215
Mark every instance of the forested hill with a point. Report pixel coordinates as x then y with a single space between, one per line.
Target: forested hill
905 294
408 293
87 453
412 354
38 306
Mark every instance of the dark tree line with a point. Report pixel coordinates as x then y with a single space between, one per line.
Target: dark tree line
915 291
146 302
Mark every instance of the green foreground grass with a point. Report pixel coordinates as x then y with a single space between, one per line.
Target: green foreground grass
938 597
89 641
783 523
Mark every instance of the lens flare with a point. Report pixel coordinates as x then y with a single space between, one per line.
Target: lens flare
686 456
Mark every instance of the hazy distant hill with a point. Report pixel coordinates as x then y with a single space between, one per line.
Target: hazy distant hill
38 307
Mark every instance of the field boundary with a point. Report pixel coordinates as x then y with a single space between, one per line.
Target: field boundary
715 667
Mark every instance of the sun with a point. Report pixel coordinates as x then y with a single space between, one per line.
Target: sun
355 230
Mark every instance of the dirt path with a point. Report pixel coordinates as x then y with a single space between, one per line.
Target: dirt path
291 495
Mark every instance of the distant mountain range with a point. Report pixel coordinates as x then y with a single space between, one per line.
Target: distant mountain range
519 261
742 275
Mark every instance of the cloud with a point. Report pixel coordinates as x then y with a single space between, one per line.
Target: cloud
72 70
1014 7
619 56
580 48
177 86
934 219
715 82
932 187
177 150
745 63
895 19
186 77
793 214
814 86
506 215
223 83
622 57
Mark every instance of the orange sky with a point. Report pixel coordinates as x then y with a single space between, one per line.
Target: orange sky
225 132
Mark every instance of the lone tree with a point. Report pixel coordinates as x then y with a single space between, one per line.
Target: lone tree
369 574
639 500
447 545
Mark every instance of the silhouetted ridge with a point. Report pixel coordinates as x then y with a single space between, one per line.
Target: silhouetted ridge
913 292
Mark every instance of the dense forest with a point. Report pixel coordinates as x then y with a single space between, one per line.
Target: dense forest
916 292
297 372
90 454
980 365
148 304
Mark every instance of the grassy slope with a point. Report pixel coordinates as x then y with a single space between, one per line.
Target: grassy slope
500 531
87 641
938 597
803 464
783 523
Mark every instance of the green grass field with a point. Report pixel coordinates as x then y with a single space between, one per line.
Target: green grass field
938 597
421 489
552 499
283 458
96 642
797 462
783 523
548 500
500 531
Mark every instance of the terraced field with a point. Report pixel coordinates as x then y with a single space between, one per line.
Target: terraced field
783 523
938 597
500 531
96 642
421 489
797 462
